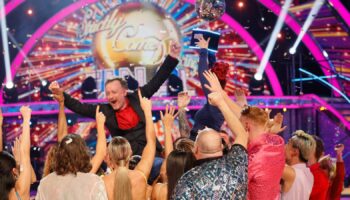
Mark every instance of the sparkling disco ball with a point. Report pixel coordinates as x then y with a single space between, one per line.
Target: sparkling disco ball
210 10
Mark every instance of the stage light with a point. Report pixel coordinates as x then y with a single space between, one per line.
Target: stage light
89 89
240 4
284 109
325 53
256 86
44 83
30 12
279 35
9 85
10 93
258 77
292 51
45 93
175 85
322 108
273 38
310 18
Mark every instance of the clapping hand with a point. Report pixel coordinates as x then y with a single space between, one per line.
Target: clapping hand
241 99
216 99
57 92
274 125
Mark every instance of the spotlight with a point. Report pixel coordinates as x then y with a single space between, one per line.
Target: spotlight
325 53
30 12
10 93
44 83
89 89
256 86
45 93
292 51
240 4
174 85
9 85
258 76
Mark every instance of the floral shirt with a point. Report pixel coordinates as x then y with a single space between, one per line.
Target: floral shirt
222 178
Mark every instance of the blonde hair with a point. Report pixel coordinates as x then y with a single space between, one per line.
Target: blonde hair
305 143
119 151
255 114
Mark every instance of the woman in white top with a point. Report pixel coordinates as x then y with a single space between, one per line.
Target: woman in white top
297 177
73 177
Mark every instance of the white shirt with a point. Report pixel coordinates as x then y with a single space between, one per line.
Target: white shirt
302 185
83 186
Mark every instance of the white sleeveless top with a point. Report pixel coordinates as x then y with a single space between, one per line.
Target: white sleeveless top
302 185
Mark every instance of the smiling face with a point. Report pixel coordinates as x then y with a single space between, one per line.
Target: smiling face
116 94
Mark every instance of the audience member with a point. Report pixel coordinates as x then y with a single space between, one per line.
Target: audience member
265 149
208 116
123 183
16 172
217 176
73 176
297 179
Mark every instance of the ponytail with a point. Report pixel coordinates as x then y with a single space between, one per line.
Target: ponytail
122 185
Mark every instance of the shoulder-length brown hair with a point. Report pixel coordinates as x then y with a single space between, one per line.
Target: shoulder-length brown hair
72 156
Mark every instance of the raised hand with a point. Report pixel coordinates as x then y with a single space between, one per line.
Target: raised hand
202 43
175 49
100 117
183 99
26 113
57 92
168 117
216 99
241 99
214 84
339 148
274 125
145 103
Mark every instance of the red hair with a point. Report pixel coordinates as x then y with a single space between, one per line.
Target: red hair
220 69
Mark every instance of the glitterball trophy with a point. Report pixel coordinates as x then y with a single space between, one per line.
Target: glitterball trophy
210 10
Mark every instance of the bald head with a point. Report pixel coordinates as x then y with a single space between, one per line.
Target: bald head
208 143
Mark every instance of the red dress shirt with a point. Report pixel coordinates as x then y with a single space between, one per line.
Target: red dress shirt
127 118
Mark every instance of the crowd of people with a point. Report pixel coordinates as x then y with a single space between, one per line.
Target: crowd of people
204 163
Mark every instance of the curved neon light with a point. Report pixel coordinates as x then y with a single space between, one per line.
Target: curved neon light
342 11
73 7
307 40
10 6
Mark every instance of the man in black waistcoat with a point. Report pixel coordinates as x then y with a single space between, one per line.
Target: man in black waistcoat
124 116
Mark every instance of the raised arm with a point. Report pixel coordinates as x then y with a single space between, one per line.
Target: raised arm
241 135
24 179
163 73
87 110
1 140
203 63
182 101
214 86
101 146
62 121
338 181
168 122
148 154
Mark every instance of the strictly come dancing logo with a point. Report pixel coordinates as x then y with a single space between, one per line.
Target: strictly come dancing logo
130 35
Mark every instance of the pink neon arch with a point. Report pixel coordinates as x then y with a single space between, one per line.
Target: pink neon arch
307 39
73 7
342 11
10 6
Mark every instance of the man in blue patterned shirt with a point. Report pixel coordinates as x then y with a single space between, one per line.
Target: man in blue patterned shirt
217 176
